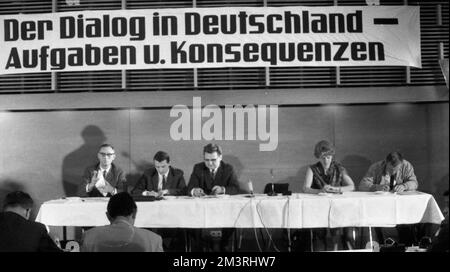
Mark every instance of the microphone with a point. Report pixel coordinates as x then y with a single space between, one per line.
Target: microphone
250 187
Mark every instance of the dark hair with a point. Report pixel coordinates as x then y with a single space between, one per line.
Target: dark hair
121 204
106 145
161 156
211 148
323 148
18 198
394 158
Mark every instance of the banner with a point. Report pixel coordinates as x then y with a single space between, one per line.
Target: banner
210 37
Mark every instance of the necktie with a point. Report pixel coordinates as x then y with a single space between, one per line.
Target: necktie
164 182
392 182
104 174
212 175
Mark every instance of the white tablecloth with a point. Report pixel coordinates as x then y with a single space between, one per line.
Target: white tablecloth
297 211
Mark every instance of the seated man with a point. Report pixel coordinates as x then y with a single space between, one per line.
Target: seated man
213 177
104 178
17 233
161 179
392 174
121 235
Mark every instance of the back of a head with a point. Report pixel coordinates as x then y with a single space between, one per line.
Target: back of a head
18 199
121 204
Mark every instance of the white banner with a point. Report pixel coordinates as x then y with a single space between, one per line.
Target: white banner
210 37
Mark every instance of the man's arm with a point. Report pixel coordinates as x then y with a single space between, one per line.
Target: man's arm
86 179
140 185
180 188
232 184
409 178
122 185
46 243
194 180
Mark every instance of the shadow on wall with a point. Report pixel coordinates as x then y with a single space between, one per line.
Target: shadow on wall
139 167
238 168
76 162
357 167
295 182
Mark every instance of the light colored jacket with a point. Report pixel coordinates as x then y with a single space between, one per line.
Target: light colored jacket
377 175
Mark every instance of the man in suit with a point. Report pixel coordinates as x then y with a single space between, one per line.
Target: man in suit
161 179
104 178
17 233
213 177
121 235
393 174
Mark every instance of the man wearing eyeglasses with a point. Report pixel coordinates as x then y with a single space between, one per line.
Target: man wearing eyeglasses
212 177
103 179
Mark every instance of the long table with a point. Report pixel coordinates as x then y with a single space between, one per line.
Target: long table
357 209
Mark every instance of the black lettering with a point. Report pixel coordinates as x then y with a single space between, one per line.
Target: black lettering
303 50
13 59
270 23
338 56
150 58
354 22
11 30
196 53
259 25
214 53
30 59
92 55
178 51
110 55
76 58
67 27
229 51
323 50
357 50
137 28
250 51
58 58
210 24
374 48
192 21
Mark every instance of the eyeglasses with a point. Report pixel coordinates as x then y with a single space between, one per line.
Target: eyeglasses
210 160
106 154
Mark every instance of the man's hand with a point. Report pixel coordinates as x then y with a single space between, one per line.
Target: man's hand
197 192
399 188
150 193
217 190
108 188
380 187
95 178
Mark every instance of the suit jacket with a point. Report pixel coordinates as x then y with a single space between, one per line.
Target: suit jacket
20 234
115 177
120 236
149 181
225 176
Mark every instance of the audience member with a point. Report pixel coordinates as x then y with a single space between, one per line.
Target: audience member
17 232
121 235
